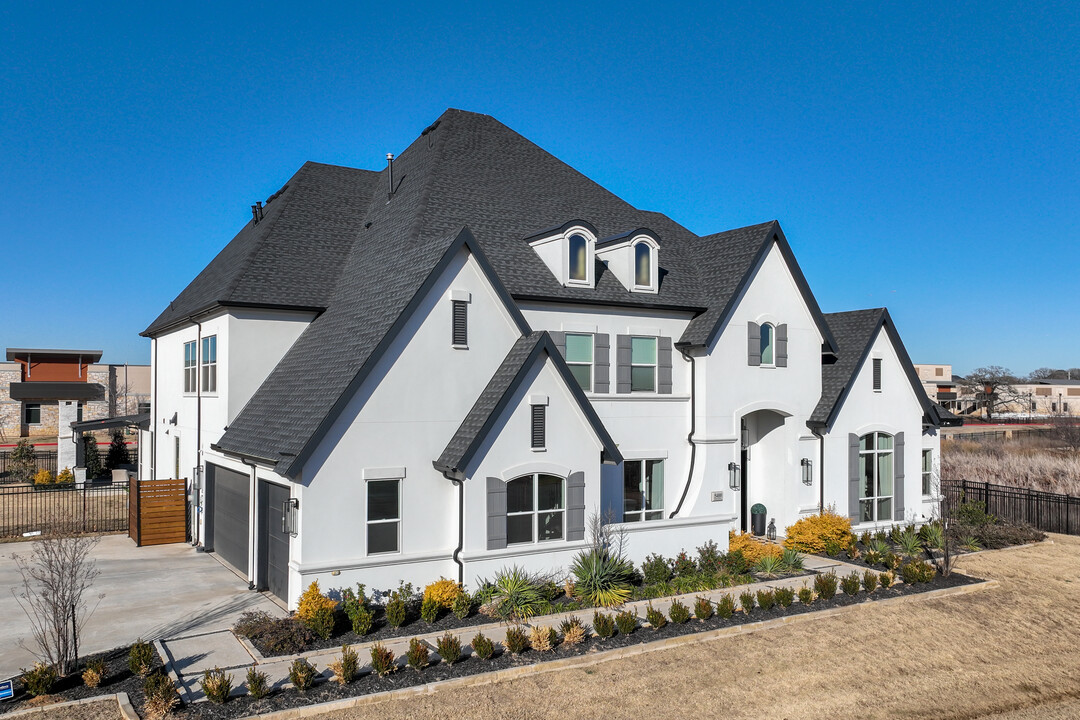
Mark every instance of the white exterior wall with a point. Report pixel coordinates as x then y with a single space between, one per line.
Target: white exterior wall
258 339
893 409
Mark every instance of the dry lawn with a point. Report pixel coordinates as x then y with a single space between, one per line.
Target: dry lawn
1035 463
98 509
1013 650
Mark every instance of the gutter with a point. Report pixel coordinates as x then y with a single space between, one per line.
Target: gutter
253 521
197 480
690 436
821 467
458 479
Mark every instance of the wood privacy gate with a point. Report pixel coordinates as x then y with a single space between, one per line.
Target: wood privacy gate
157 512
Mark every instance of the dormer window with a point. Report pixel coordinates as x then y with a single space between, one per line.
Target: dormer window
631 257
642 265
579 259
569 251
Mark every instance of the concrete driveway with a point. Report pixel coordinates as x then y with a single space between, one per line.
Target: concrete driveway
150 592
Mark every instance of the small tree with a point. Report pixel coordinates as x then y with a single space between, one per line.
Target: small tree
118 453
55 578
91 457
23 461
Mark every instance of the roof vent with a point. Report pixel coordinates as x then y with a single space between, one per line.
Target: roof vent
256 213
390 171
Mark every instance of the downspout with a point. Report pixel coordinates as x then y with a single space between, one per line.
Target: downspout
821 468
197 486
253 521
153 435
690 436
460 483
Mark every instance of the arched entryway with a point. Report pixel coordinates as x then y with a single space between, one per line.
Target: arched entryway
763 455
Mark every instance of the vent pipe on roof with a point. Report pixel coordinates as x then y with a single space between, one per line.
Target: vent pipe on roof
390 172
256 213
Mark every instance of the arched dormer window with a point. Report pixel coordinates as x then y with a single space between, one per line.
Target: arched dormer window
642 265
579 258
768 344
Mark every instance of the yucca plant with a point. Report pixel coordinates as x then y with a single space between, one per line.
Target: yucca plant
516 595
879 545
934 536
910 543
969 543
792 559
601 578
769 566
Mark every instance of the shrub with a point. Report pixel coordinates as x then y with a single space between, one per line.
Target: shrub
626 621
746 601
543 638
462 606
23 460
601 577
891 560
516 595
791 560
316 611
766 599
418 654
517 641
95 673
216 685
918 571
865 538
274 636
910 543
769 566
825 585
934 536
735 562
810 534
872 557
850 584
382 660
678 612
345 667
784 596
886 579
574 631
449 648
725 606
92 457
429 610
751 548
362 621
141 658
879 546
396 611
603 624
709 559
683 565
118 453
974 513
251 624
869 581
160 694
655 570
852 550
703 608
302 675
354 604
806 595
44 477
258 685
832 548
444 592
65 476
969 543
483 646
655 618
40 679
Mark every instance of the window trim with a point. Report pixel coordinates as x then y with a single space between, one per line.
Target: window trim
208 367
654 271
655 364
534 537
659 512
191 367
591 364
771 346
927 472
590 257
874 453
369 522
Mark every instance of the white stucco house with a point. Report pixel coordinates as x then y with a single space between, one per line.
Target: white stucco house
449 366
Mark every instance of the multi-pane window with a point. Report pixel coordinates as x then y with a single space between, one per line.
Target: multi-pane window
460 330
876 472
32 413
642 264
579 252
579 356
768 337
643 490
927 471
383 516
535 509
190 372
643 364
209 364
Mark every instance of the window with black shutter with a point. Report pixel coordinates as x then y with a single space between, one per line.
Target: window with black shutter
461 322
539 439
877 373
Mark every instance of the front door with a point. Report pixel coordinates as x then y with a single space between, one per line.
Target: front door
744 464
274 545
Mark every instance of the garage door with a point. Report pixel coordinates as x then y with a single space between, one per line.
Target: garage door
227 497
274 548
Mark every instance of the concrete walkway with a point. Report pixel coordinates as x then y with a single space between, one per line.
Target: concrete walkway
149 592
189 656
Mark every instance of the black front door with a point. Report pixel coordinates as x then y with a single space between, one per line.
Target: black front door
744 465
274 545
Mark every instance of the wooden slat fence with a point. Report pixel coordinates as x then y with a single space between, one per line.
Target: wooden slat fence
1046 511
157 513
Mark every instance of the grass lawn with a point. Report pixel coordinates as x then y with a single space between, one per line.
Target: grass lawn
1008 653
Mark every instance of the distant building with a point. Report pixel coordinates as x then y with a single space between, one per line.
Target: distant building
938 382
1047 397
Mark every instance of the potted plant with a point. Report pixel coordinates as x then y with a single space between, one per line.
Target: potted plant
757 519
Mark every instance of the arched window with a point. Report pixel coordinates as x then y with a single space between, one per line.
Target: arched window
876 473
768 334
579 269
642 264
535 509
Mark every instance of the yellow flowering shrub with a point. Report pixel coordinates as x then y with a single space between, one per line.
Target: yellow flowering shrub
751 548
810 534
442 591
43 477
65 476
316 611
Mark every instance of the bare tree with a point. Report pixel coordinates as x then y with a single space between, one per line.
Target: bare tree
1066 430
944 512
55 579
993 388
606 534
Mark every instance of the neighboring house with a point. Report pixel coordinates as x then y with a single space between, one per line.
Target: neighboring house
453 365
1045 397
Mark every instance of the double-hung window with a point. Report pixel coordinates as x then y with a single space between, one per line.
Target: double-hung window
190 373
643 490
579 356
643 364
32 413
535 508
927 471
383 516
876 472
209 364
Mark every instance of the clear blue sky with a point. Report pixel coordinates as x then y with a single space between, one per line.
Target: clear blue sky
922 157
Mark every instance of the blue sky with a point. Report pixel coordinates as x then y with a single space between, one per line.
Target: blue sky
919 157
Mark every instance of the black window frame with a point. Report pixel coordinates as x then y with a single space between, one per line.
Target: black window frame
395 521
27 409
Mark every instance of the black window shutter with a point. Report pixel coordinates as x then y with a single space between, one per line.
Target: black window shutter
753 344
539 413
877 373
853 477
781 345
622 363
496 513
601 363
898 477
461 322
663 366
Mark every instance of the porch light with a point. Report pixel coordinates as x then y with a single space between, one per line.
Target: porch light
807 471
289 516
734 475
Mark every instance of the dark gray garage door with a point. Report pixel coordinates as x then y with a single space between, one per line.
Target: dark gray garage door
227 497
274 547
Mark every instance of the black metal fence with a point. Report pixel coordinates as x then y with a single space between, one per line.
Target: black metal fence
42 458
1016 434
95 507
1049 512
